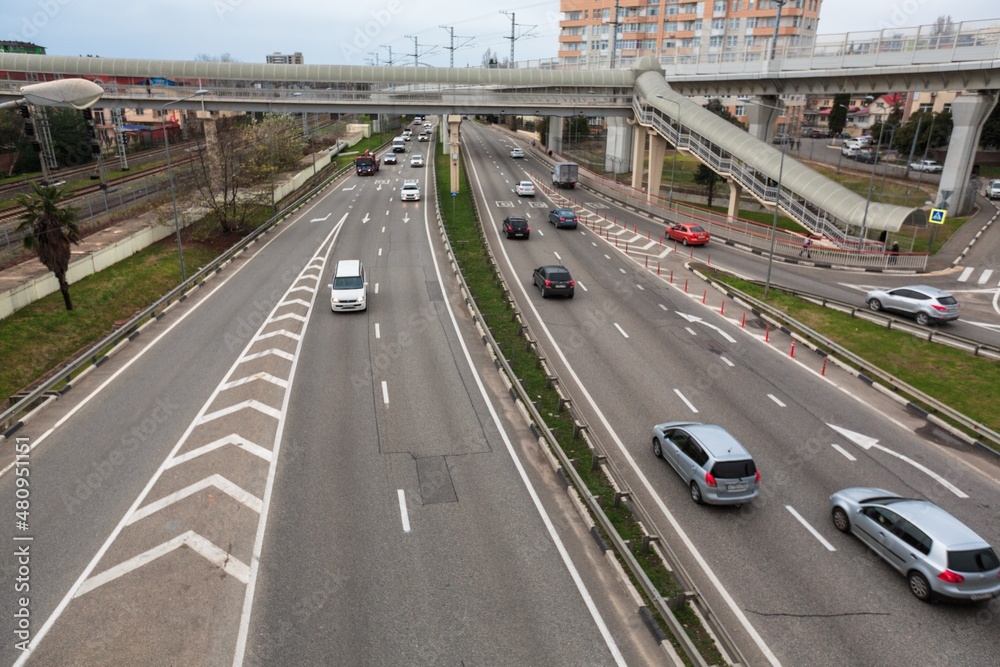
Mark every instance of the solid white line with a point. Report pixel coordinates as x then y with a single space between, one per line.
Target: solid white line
620 330
965 274
776 400
812 530
847 454
377 332
402 510
385 392
686 401
727 362
581 587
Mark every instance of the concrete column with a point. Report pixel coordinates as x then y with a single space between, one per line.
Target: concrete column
657 151
454 121
618 146
211 140
555 143
762 118
968 112
638 154
735 192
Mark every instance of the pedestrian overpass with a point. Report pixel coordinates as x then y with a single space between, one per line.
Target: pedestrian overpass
651 99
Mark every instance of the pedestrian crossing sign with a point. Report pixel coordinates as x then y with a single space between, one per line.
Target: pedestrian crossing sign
938 216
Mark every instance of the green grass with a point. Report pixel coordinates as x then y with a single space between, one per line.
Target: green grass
470 251
956 378
42 336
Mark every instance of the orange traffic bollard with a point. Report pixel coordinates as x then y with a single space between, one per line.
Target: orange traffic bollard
743 320
657 267
709 262
685 285
704 296
822 371
722 309
767 333
647 261
791 353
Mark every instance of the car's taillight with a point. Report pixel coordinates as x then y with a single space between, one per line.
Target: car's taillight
709 479
548 283
527 229
938 308
756 476
572 283
951 577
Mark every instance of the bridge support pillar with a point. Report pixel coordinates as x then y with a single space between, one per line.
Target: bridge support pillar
454 120
761 118
618 146
735 191
638 154
969 112
555 143
657 152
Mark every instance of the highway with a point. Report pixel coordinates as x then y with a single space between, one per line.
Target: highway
256 480
634 351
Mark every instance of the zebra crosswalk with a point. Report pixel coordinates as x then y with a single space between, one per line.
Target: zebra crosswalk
981 279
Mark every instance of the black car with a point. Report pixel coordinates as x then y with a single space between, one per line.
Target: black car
865 156
563 217
553 279
516 227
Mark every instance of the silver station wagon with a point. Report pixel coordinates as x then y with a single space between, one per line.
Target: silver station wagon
716 467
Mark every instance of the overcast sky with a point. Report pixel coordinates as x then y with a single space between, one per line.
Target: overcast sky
345 32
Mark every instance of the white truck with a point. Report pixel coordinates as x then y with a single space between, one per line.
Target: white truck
565 174
929 166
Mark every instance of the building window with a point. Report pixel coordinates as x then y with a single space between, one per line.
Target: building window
719 6
734 24
573 16
751 22
732 41
651 27
697 25
718 24
715 41
740 110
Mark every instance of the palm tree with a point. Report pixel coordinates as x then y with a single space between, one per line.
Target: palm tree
50 229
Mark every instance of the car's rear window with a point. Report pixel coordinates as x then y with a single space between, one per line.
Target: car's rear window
976 560
947 300
558 275
697 228
734 469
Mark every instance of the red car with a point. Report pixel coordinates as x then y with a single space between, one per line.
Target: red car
688 234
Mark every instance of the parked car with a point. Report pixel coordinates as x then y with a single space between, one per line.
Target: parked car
553 279
866 155
929 166
716 468
389 158
525 189
688 233
993 192
938 554
924 303
781 138
814 133
516 153
563 217
416 160
516 227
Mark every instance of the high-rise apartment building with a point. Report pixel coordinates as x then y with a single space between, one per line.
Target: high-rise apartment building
678 31
277 58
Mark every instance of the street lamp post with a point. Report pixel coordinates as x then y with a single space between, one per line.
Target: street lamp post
677 143
170 173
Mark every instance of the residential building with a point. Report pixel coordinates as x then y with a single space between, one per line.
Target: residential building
278 58
678 31
21 47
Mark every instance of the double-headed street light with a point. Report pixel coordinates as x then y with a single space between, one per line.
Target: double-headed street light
777 200
677 143
170 173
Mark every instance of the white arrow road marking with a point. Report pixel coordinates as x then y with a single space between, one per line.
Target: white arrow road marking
198 544
231 439
812 530
364 220
323 219
379 188
686 402
406 218
238 494
867 442
698 320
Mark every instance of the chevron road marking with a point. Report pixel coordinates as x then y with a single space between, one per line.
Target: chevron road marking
250 404
231 439
238 494
266 377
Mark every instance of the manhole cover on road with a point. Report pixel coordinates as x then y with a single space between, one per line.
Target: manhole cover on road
435 480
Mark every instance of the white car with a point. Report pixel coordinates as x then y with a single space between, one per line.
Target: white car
516 153
410 191
416 160
407 135
427 126
929 166
525 189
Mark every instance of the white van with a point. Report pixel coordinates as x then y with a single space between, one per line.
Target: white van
398 145
349 290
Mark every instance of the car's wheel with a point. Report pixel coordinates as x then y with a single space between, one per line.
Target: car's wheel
657 448
696 493
919 586
508 234
923 319
874 304
570 295
684 242
545 294
840 520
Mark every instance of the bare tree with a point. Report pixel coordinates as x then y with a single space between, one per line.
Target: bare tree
943 25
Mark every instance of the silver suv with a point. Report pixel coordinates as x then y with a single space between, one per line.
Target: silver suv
714 465
938 554
924 303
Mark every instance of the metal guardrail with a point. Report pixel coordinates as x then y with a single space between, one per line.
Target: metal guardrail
976 348
9 419
684 580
